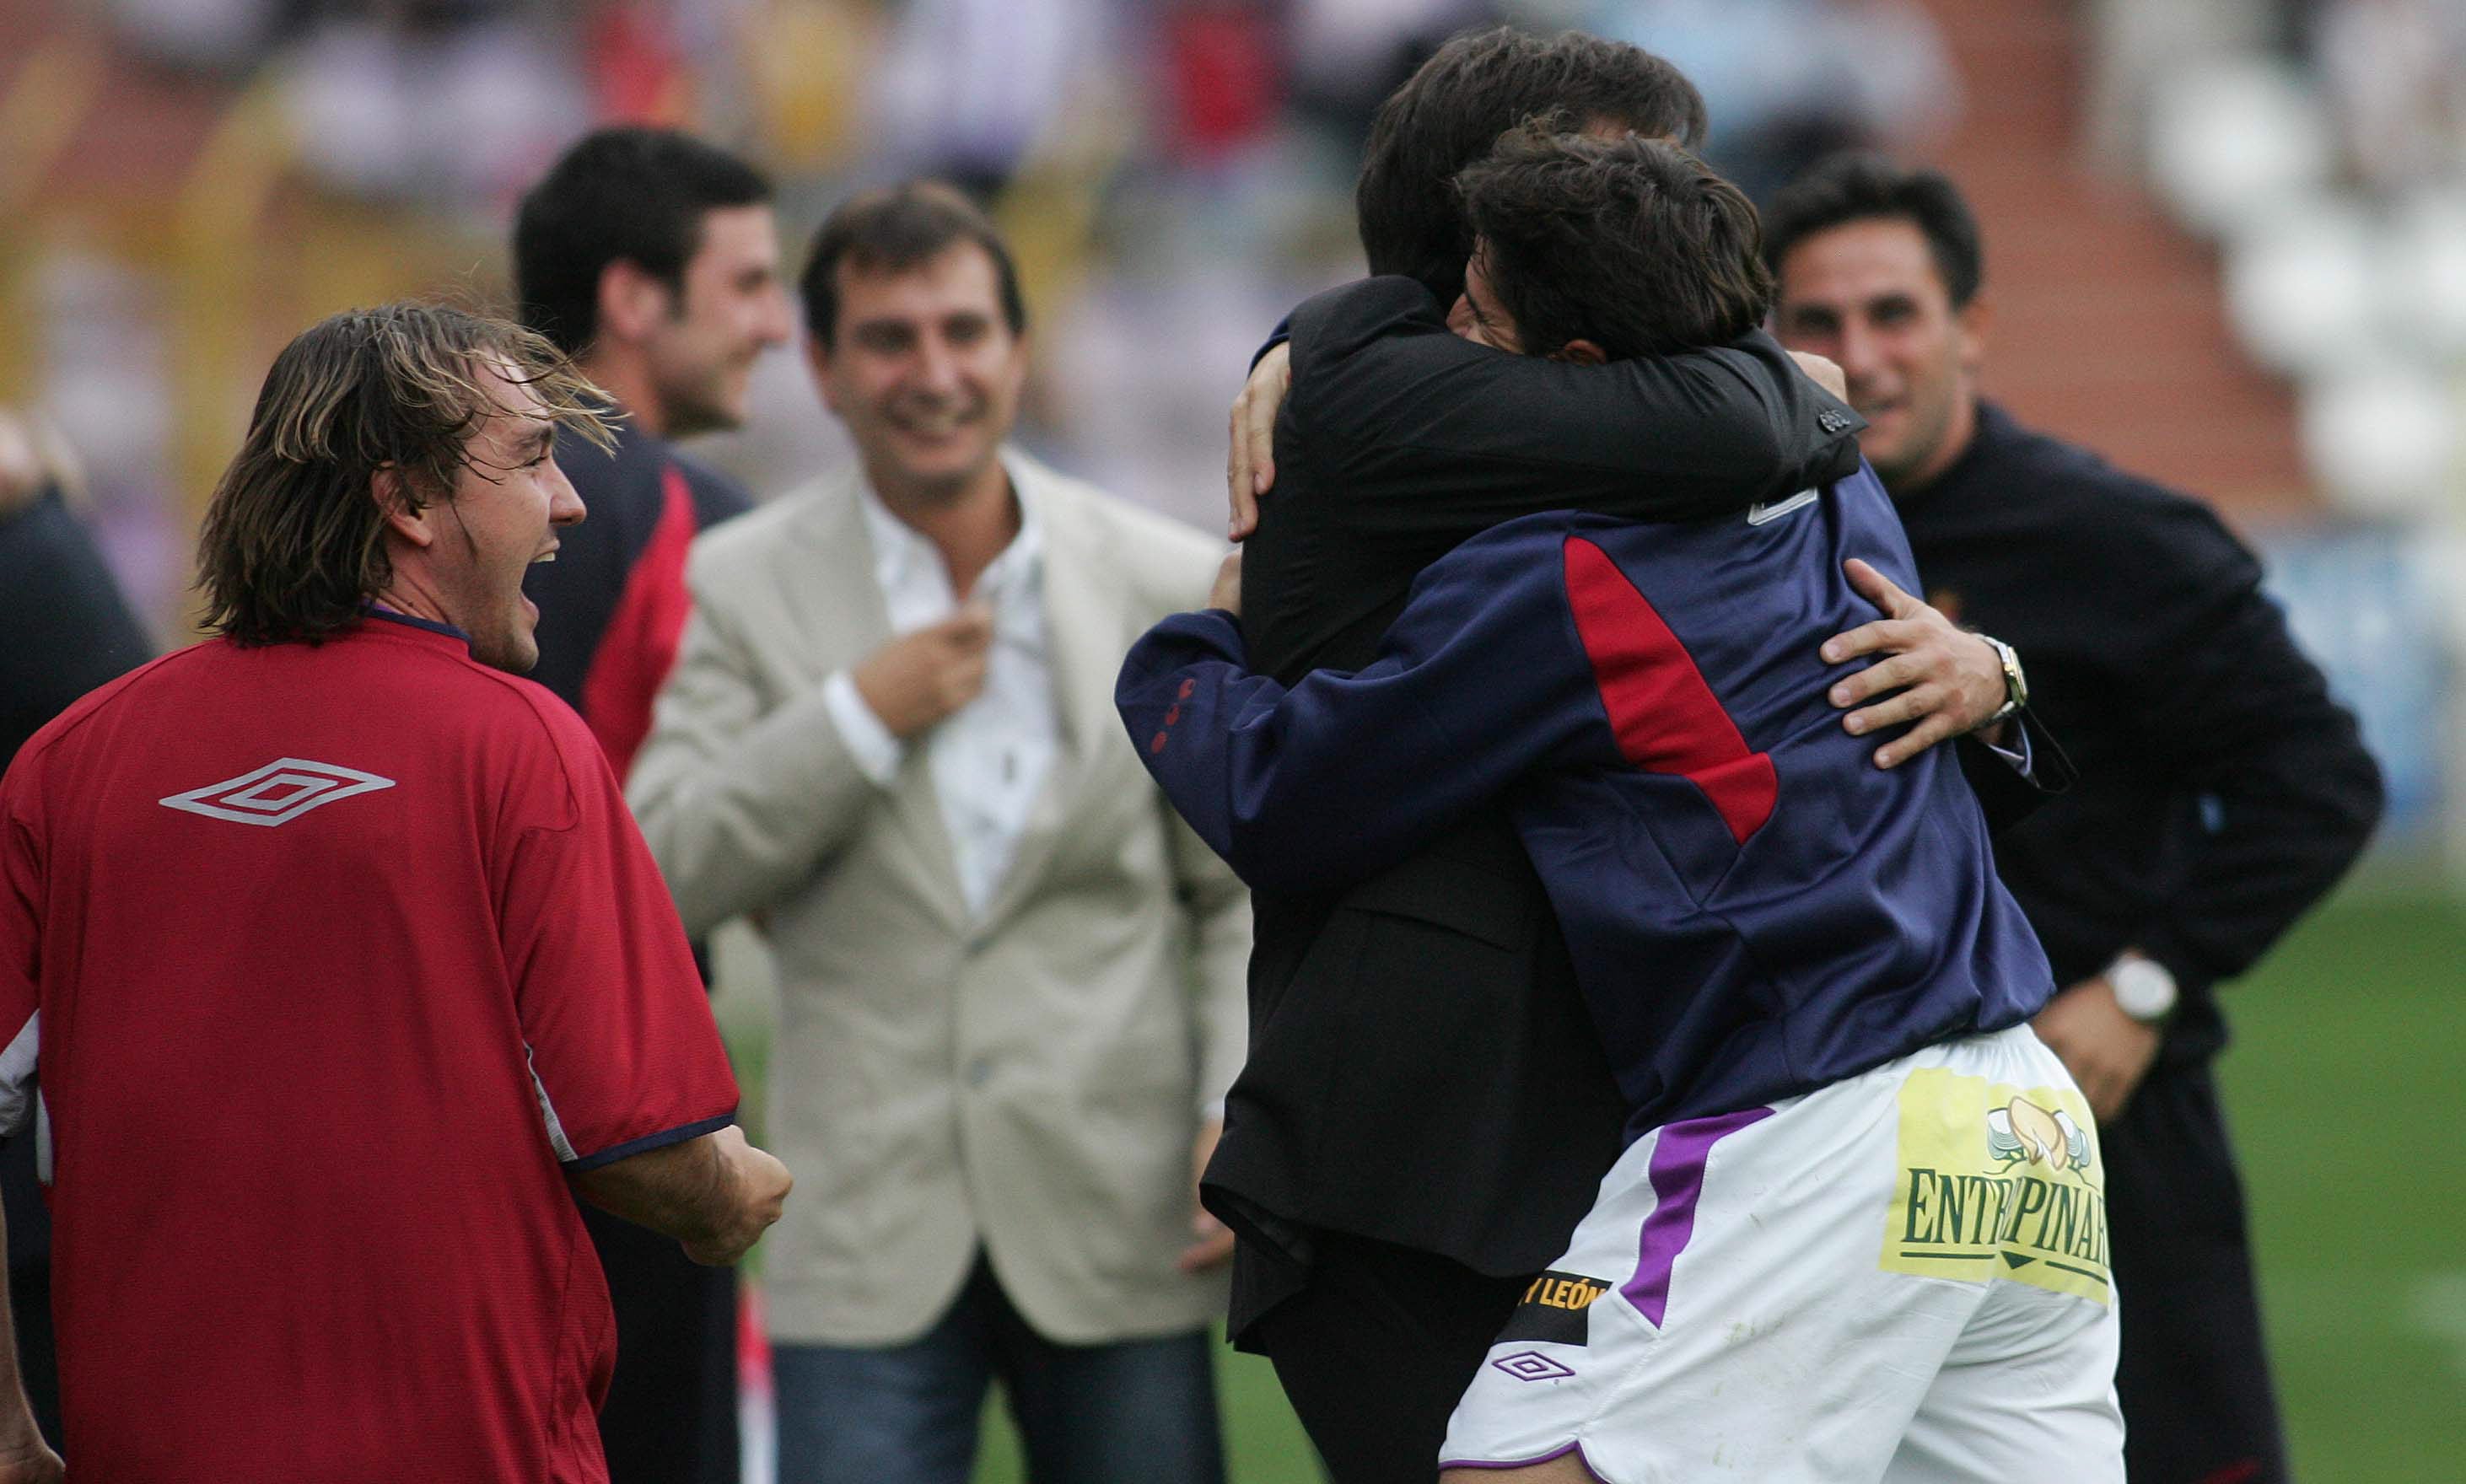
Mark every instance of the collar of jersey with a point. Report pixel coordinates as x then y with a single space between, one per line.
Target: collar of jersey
391 617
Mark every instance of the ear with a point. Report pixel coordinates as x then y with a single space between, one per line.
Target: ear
1972 321
818 359
412 526
631 301
1580 352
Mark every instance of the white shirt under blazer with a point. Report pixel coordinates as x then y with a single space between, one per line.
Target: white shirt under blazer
990 756
1029 1075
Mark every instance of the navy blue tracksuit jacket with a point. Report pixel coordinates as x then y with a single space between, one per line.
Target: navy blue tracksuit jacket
1650 700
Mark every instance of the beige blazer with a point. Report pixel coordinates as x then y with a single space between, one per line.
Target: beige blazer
1031 1080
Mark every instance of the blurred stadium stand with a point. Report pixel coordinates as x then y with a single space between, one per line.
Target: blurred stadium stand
2227 240
2109 325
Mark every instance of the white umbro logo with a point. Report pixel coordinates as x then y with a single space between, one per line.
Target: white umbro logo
276 793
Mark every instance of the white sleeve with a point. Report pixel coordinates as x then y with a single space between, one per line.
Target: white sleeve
876 751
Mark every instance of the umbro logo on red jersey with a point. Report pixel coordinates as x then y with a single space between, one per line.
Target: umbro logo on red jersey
276 793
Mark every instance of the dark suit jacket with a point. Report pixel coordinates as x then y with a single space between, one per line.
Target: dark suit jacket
2222 791
1421 1069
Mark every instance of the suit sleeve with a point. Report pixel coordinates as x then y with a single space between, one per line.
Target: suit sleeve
2008 794
2248 722
622 1047
1211 899
1429 436
742 795
1313 787
1218 911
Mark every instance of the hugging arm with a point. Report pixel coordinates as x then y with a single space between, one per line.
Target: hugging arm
1420 439
1299 787
1431 438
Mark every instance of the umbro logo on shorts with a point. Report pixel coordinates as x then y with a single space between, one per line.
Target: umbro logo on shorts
276 793
1554 1308
1532 1365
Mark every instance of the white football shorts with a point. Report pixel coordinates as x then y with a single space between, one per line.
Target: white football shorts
1900 1277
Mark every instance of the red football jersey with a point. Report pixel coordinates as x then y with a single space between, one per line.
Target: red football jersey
343 955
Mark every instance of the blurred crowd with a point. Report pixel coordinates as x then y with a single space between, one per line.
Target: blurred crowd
1174 175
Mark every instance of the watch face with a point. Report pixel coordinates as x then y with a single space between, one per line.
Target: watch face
2143 989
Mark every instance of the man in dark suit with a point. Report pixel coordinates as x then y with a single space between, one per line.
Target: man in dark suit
70 631
2216 803
1426 1111
652 259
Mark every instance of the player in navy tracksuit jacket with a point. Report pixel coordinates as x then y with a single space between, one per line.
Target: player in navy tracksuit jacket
1788 952
1651 699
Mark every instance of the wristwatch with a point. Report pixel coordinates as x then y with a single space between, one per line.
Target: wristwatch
2143 987
2016 685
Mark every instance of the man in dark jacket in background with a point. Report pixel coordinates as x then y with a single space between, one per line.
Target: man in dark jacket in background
652 259
70 631
1426 1111
2221 791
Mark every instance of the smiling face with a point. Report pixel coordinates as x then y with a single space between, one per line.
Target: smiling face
465 556
699 354
926 372
1868 296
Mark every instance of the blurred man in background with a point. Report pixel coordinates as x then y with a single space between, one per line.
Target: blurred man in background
1010 979
333 968
2222 792
71 630
652 259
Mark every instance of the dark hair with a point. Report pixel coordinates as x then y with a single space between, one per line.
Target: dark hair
628 194
1474 89
890 229
294 542
1854 187
1632 243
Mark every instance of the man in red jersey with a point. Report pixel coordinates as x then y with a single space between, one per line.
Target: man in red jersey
330 961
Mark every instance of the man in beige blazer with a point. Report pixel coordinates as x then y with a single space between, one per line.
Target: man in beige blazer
1011 979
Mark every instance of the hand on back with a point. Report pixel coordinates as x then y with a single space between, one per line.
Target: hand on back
1943 679
1250 466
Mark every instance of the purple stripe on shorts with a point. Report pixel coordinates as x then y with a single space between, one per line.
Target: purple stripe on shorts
1576 1448
1679 1151
1510 1463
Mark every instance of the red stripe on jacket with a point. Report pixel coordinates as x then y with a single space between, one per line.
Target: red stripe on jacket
1667 717
640 646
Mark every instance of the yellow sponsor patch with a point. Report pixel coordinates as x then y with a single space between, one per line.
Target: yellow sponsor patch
1998 1182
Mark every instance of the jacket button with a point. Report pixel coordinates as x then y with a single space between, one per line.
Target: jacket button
978 1070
